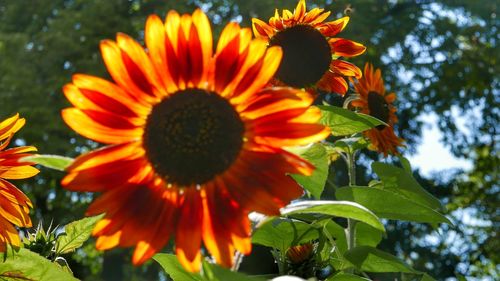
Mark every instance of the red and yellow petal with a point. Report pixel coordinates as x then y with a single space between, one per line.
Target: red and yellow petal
91 128
346 48
14 205
329 29
345 69
189 230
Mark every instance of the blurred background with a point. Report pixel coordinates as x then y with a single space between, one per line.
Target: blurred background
440 57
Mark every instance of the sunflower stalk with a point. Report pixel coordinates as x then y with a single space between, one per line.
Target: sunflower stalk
238 259
351 224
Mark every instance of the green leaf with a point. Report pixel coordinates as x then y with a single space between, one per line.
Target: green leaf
367 235
426 277
210 272
316 155
55 162
346 277
75 234
405 163
343 122
390 205
174 269
283 233
214 272
343 209
369 259
402 182
338 233
26 265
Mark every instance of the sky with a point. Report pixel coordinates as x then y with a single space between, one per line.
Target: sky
432 155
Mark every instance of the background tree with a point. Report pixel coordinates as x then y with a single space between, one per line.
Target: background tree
440 57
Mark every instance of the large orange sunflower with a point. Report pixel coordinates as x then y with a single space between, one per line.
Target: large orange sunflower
194 141
374 101
14 205
311 55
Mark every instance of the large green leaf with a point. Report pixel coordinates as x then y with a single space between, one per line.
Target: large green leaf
75 234
210 272
174 269
338 233
367 235
316 155
214 272
345 209
346 277
26 265
343 122
55 162
402 182
426 277
283 233
390 205
369 259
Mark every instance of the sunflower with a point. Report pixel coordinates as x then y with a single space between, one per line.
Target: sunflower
310 52
194 140
14 205
374 101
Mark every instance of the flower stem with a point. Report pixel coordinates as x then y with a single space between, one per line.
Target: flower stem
351 224
238 258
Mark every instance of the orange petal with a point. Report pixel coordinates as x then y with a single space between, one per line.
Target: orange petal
219 215
189 234
93 88
261 28
271 62
332 28
289 134
87 127
18 172
273 100
345 68
155 38
300 10
139 66
10 126
106 155
333 83
126 72
346 48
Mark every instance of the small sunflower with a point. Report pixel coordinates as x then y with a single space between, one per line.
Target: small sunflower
374 101
311 55
300 253
195 141
14 205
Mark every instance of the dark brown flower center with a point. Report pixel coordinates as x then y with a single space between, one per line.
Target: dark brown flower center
378 107
192 136
306 55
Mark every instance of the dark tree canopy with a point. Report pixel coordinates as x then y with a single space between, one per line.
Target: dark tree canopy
438 57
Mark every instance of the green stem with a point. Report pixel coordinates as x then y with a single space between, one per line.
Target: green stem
238 259
351 224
